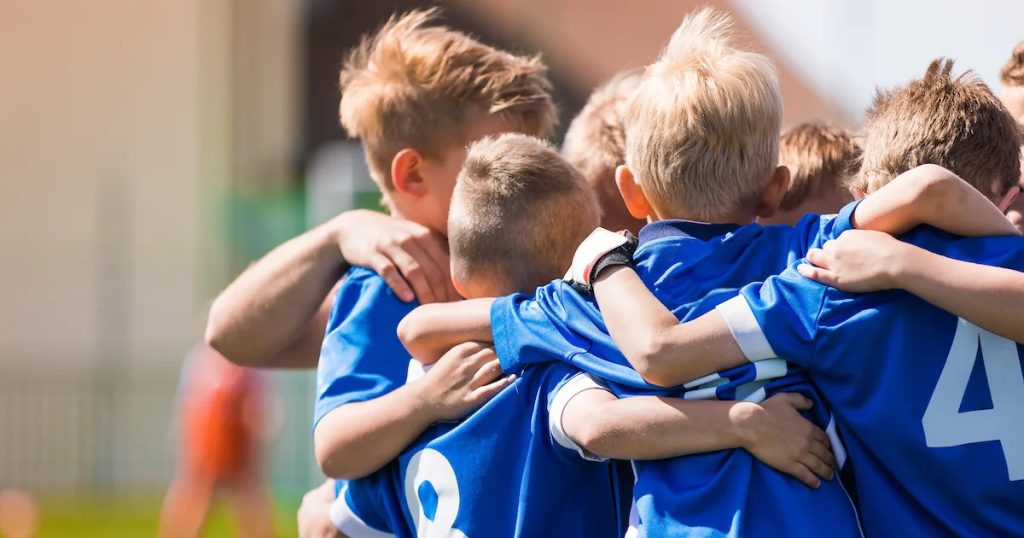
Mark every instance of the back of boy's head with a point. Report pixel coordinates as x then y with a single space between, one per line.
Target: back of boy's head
702 134
518 213
954 122
416 85
1012 73
819 158
595 142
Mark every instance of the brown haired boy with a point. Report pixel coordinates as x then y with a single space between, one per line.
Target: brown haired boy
416 94
820 159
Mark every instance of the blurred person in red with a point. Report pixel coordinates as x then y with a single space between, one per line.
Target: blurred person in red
223 416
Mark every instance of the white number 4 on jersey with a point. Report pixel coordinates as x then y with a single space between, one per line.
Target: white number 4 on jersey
944 424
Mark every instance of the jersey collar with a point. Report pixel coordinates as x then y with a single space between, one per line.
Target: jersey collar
703 231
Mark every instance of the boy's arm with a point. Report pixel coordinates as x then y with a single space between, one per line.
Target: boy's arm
358 438
662 350
275 313
429 331
667 353
862 261
651 427
932 195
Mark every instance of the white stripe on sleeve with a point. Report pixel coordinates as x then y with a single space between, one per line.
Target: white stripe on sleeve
350 524
745 330
563 394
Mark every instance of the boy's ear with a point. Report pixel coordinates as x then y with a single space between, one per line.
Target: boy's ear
773 193
632 194
405 172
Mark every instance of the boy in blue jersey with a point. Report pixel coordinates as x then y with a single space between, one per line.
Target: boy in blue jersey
507 469
701 145
928 399
415 95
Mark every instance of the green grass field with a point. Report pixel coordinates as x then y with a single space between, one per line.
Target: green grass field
131 515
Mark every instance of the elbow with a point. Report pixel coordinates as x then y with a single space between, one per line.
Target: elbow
331 460
409 331
597 437
218 335
937 185
651 361
414 334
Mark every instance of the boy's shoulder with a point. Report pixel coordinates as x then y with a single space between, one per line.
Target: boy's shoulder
363 292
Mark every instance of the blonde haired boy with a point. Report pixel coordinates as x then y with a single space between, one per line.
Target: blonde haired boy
820 158
595 144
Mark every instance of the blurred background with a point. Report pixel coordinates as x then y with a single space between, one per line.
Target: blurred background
150 150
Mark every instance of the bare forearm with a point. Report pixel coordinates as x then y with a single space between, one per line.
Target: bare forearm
661 349
431 330
931 195
359 438
650 427
990 297
272 304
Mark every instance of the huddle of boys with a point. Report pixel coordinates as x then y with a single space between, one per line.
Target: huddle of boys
535 396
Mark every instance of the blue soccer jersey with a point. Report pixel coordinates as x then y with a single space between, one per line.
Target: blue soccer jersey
361 359
931 406
501 472
691 268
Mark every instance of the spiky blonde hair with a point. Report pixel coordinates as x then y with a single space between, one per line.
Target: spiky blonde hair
702 133
413 85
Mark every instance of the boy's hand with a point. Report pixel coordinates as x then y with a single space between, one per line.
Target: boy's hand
313 517
859 261
463 379
780 437
411 258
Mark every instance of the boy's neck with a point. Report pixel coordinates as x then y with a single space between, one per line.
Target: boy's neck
740 218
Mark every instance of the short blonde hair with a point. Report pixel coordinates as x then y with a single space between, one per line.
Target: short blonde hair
702 133
1012 73
595 142
956 123
519 211
819 157
414 85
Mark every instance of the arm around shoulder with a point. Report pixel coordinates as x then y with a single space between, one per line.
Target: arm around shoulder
429 331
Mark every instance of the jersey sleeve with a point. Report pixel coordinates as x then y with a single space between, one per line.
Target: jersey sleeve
537 329
354 512
564 392
776 318
361 357
811 231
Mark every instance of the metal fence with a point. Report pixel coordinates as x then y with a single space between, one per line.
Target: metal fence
86 433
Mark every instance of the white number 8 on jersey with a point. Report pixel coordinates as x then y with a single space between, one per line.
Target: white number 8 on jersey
944 424
429 465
